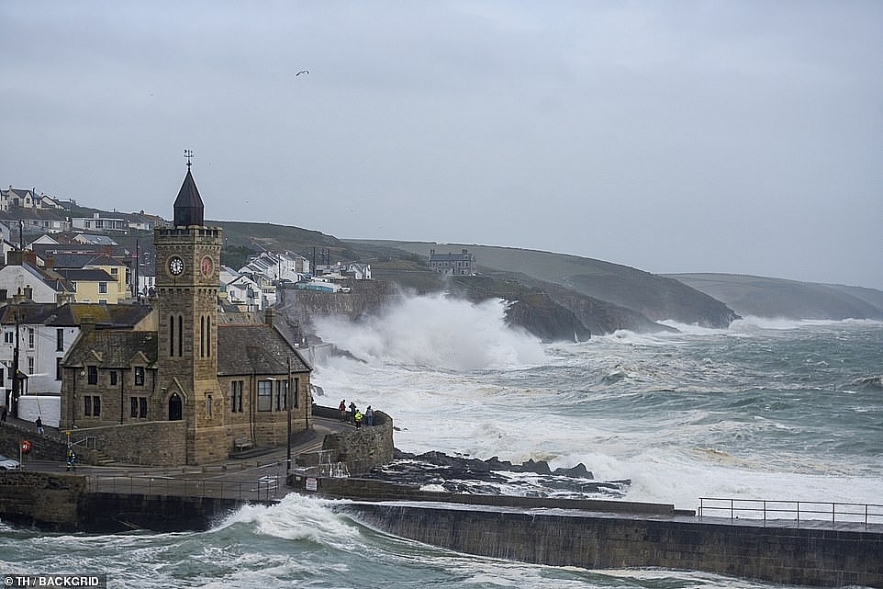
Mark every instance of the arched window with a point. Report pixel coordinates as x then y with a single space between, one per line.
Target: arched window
176 410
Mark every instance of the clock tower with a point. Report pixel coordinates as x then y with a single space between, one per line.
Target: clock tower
187 281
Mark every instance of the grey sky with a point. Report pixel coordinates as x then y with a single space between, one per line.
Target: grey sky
705 136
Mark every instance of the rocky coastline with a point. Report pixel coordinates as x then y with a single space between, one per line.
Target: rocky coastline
463 474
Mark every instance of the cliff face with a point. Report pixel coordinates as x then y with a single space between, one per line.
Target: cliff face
547 320
775 297
604 296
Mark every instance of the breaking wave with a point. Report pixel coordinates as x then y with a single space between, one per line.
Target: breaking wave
438 332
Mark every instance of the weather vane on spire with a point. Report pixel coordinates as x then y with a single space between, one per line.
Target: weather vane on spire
188 153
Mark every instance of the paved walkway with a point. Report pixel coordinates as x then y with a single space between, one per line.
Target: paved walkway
259 474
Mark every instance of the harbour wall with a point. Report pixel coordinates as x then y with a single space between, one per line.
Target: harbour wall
777 554
63 503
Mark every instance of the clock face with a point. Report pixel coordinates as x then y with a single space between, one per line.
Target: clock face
207 266
176 266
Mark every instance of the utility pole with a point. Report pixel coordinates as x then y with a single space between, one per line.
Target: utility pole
288 402
16 393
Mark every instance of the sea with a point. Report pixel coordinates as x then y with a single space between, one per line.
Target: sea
768 409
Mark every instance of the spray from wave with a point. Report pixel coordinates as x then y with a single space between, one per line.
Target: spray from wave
436 332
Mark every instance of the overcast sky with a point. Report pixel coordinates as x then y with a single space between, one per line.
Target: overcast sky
695 136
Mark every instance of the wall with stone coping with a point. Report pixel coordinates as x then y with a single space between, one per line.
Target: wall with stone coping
360 449
32 498
787 555
125 443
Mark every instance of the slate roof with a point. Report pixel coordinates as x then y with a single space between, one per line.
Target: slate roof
85 274
47 250
112 348
189 209
256 349
72 314
81 260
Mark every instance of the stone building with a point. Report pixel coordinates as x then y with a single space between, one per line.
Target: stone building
462 264
197 389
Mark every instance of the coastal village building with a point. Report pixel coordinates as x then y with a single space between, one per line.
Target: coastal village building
22 276
39 335
462 264
198 387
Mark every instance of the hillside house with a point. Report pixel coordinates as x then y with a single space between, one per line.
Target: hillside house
462 264
35 284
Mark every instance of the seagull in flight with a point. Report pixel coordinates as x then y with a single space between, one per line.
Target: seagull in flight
301 72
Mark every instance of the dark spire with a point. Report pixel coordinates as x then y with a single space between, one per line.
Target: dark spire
189 209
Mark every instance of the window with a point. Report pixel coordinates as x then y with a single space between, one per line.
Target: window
139 376
58 369
265 395
8 337
92 405
31 337
236 396
30 365
114 271
113 377
208 405
93 375
102 288
59 340
281 395
294 390
138 407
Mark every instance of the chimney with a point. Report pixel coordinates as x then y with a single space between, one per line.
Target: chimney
87 325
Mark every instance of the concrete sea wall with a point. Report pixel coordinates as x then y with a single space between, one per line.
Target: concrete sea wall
800 556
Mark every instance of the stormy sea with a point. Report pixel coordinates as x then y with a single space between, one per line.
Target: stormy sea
776 410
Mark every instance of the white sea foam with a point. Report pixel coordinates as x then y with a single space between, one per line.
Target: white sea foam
437 332
296 517
683 415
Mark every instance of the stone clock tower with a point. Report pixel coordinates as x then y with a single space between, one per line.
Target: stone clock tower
187 262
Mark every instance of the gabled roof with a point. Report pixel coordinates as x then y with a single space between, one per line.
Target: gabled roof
112 348
73 314
48 277
91 239
85 275
256 349
75 261
45 250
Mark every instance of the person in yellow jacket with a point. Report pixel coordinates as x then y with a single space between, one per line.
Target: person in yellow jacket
358 418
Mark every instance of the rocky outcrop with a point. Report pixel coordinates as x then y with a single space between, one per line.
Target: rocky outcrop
472 476
547 320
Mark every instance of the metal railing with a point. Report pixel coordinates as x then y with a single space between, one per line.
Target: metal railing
796 511
265 488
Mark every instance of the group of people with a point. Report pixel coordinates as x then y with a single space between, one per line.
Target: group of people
354 414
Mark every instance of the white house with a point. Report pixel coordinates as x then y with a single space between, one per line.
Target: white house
245 293
275 266
26 279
